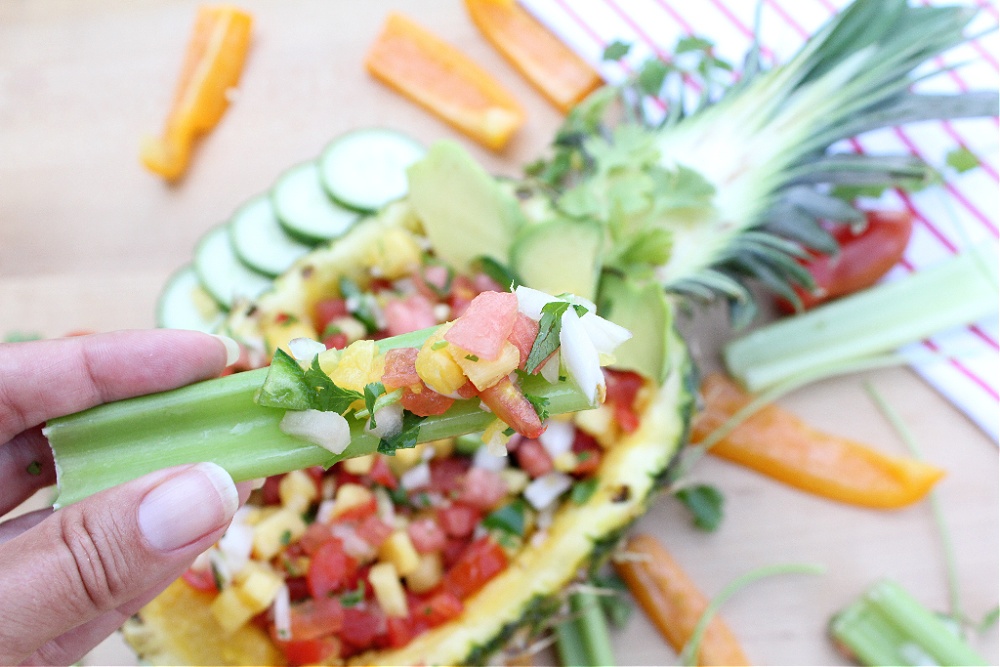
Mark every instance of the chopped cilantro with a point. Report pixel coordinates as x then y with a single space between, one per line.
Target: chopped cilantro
508 519
372 392
705 504
406 438
540 404
582 491
439 344
962 160
509 431
21 336
358 304
472 357
34 468
355 597
286 538
547 340
616 50
328 396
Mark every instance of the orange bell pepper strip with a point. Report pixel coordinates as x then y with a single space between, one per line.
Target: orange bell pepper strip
673 603
563 77
212 66
778 444
436 75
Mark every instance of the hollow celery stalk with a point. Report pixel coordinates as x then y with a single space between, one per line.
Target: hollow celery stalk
219 421
958 291
888 626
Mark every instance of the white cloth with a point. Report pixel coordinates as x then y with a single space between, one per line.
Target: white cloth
947 218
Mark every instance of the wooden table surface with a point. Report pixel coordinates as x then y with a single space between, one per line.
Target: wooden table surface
88 237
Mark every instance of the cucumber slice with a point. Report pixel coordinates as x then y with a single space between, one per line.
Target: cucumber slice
305 209
366 169
184 304
221 272
260 241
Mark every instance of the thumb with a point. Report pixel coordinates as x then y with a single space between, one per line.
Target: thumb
97 555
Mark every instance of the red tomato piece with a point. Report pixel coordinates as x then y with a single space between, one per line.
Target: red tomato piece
269 492
458 520
467 390
408 314
463 291
482 489
328 310
200 580
318 651
533 458
330 569
400 631
316 535
453 550
485 325
865 256
400 368
382 474
523 336
508 403
439 608
358 512
425 402
481 561
622 389
312 619
298 588
335 341
588 454
447 473
362 625
374 531
427 536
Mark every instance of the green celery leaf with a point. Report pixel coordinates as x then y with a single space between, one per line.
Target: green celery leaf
705 503
618 604
692 43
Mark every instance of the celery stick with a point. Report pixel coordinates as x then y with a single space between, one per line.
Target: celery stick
219 421
888 626
959 291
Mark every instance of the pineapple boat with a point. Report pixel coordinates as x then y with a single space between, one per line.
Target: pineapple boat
385 569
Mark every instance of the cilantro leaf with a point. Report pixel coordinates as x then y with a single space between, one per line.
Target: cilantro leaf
692 43
705 503
329 397
962 160
372 392
616 50
582 491
651 76
285 385
358 304
540 404
509 518
406 438
547 340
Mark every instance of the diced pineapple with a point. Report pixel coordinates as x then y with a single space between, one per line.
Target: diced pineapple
565 462
515 479
404 459
360 465
388 590
443 448
359 364
348 497
599 423
349 326
435 365
276 532
259 586
278 333
231 610
427 575
398 549
297 491
484 373
396 254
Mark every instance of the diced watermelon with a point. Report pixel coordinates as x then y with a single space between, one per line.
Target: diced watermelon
533 458
433 281
374 531
426 402
400 368
427 535
409 314
482 489
485 325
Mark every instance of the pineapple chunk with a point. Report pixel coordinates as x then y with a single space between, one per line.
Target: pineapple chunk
443 448
396 254
515 479
359 364
361 465
277 334
483 373
297 491
599 423
398 549
348 497
565 462
427 575
388 590
436 367
349 326
277 531
258 586
231 610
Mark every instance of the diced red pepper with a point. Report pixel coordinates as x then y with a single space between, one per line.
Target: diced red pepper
622 389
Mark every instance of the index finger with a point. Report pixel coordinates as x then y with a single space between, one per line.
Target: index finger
40 380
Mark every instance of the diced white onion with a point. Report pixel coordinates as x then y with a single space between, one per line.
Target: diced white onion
236 545
583 365
530 301
487 458
324 513
304 349
557 439
545 490
388 421
442 312
326 429
386 509
220 568
604 334
282 611
355 546
202 562
416 477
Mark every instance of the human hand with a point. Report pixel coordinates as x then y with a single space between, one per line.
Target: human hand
71 577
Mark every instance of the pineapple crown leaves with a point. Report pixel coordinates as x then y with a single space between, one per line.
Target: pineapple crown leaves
854 75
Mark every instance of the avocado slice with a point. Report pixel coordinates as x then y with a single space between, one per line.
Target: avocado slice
644 309
559 256
465 212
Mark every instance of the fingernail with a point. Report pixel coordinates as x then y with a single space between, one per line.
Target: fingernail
232 348
187 506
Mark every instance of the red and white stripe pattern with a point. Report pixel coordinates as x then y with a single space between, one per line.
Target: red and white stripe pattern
964 365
